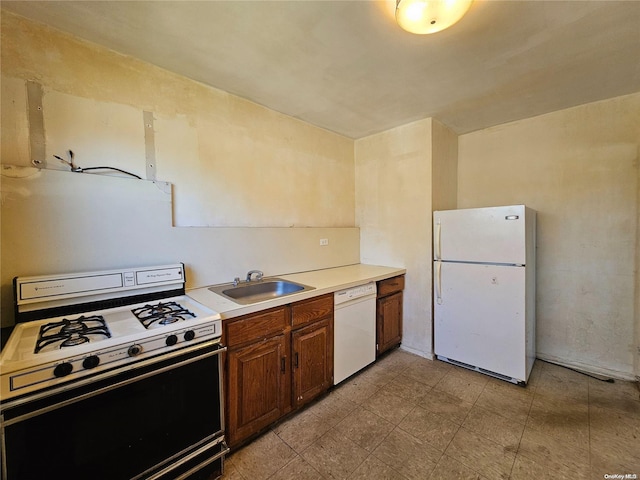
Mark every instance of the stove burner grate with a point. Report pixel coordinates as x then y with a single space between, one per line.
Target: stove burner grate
69 333
162 314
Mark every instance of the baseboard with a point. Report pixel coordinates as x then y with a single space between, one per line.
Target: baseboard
420 353
587 368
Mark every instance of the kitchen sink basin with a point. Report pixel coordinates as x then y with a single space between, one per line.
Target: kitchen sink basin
258 291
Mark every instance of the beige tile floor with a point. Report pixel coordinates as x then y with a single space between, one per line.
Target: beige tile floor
406 417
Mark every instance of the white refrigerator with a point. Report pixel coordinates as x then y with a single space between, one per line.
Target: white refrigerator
484 289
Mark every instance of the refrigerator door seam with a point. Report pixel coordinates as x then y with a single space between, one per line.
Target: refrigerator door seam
483 263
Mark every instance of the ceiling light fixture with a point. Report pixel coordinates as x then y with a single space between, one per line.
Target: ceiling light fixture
429 16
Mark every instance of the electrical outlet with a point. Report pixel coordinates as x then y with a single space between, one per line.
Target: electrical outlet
324 242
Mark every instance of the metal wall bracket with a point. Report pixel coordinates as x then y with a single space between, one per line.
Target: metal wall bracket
149 145
36 125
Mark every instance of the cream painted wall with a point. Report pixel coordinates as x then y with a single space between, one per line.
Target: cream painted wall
444 189
401 175
70 222
579 169
393 211
232 163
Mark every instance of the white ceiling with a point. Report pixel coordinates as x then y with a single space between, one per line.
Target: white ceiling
347 67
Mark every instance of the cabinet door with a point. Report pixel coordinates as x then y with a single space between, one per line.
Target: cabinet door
389 322
312 361
258 386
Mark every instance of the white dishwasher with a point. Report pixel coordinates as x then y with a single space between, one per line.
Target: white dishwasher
354 330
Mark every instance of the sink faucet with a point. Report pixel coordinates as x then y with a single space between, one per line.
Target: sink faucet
258 273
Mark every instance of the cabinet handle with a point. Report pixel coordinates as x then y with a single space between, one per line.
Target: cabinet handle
283 364
295 361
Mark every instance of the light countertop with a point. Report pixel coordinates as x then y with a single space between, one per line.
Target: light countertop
324 281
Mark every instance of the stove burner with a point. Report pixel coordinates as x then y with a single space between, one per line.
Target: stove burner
73 327
169 320
69 333
162 313
75 340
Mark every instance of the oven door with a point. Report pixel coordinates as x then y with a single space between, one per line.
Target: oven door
156 419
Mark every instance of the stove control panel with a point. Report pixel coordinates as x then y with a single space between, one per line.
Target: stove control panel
92 361
62 369
75 367
58 288
134 350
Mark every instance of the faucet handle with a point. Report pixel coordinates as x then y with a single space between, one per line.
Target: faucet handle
236 281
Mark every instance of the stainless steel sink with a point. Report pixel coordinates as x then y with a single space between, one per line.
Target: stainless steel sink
258 291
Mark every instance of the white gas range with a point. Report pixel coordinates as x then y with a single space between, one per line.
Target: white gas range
126 348
45 352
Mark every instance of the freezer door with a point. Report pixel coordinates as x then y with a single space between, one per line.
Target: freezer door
487 235
480 316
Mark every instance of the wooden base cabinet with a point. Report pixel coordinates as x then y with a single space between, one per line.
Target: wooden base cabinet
277 359
258 374
257 386
312 361
389 314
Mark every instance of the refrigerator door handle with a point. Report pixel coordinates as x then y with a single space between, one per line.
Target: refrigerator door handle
438 248
439 282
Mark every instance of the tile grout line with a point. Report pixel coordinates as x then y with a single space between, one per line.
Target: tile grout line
426 441
526 422
459 426
361 405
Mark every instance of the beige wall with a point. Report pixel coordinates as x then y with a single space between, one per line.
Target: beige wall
401 174
579 169
232 164
393 211
444 189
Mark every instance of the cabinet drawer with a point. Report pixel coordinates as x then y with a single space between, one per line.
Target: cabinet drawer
312 309
256 326
390 285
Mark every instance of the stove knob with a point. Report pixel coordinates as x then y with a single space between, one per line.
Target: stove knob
189 335
91 362
171 340
63 369
134 350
